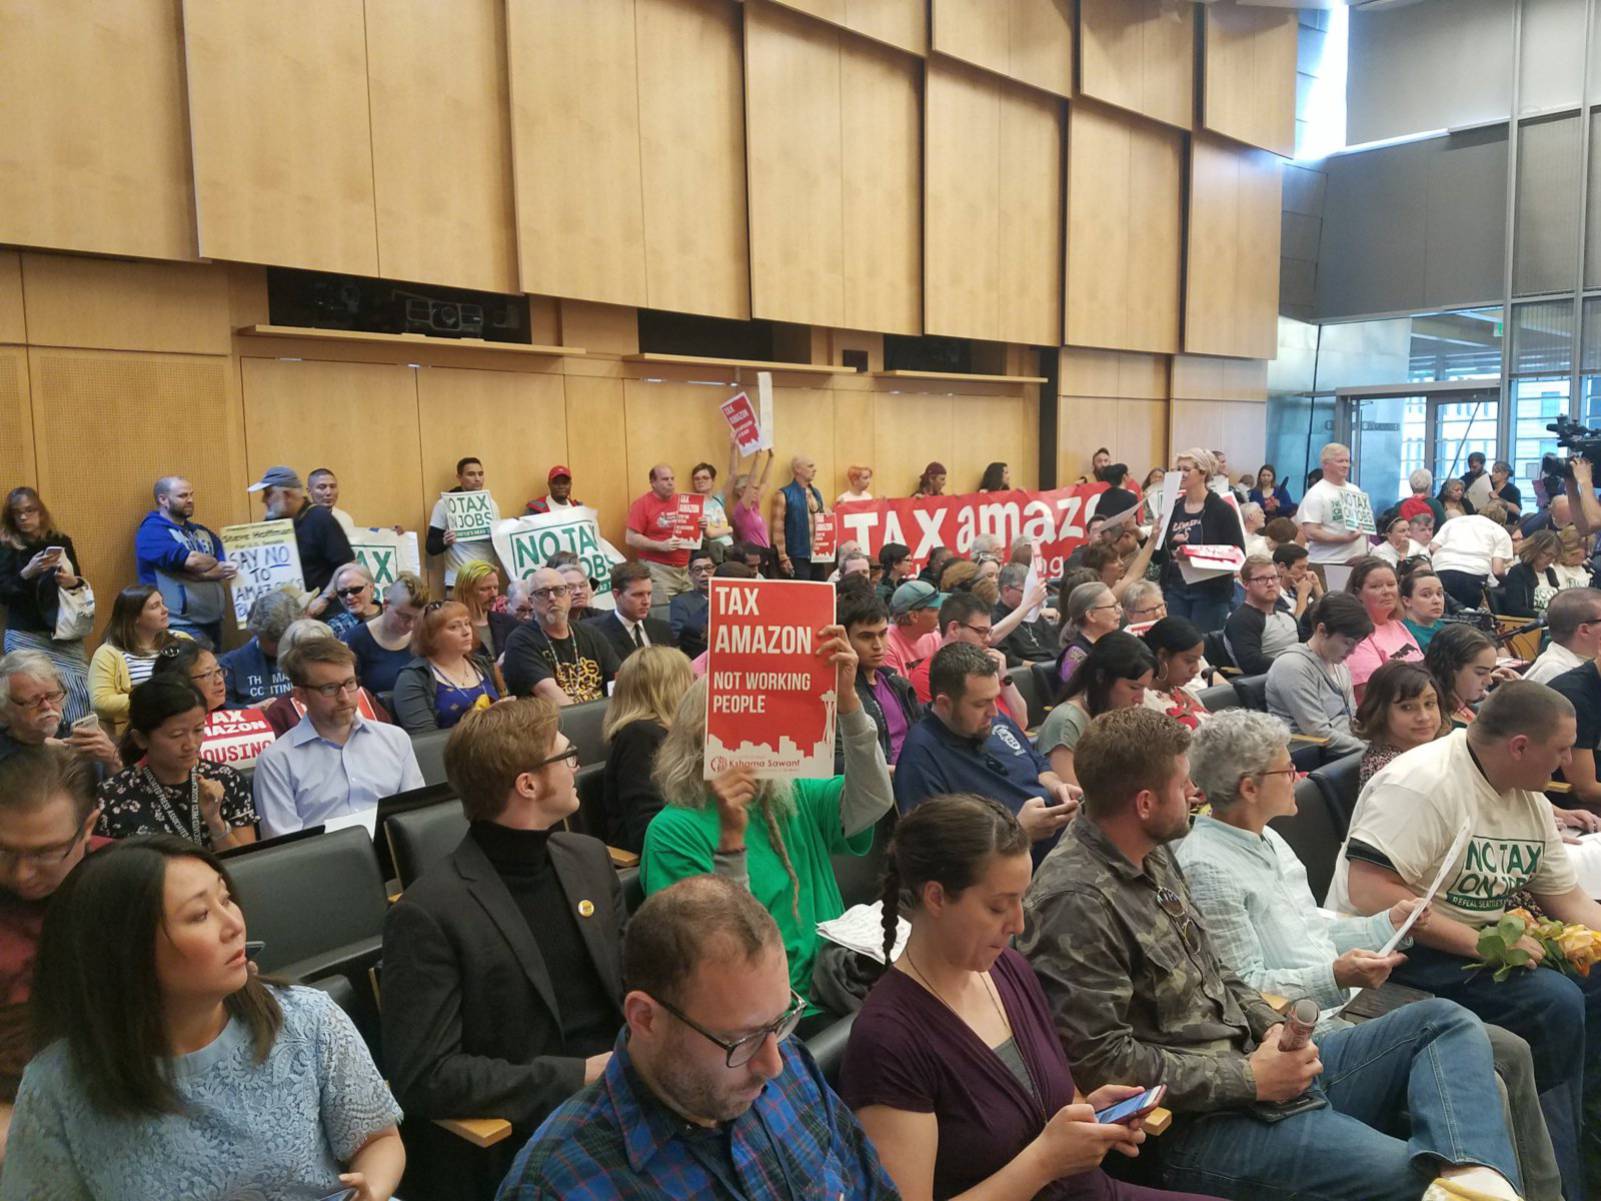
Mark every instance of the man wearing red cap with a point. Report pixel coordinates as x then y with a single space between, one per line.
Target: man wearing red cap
560 495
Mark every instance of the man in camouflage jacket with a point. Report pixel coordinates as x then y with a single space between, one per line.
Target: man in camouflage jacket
1139 997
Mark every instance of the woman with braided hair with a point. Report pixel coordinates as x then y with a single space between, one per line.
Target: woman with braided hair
773 836
954 1066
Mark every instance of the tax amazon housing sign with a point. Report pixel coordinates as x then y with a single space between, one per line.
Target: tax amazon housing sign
770 698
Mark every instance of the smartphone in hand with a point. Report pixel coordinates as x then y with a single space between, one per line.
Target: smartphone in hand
1134 1107
89 724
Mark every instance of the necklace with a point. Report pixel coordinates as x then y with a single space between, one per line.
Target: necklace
193 827
989 991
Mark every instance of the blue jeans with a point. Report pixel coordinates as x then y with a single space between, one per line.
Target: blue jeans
1207 611
1407 1093
1559 1017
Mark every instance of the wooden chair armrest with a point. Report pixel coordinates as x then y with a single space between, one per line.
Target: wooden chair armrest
1222 671
1309 739
1558 786
622 858
480 1132
1274 1001
1158 1120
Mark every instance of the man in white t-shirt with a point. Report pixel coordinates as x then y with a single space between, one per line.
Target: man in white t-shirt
1335 515
1488 778
442 539
1467 551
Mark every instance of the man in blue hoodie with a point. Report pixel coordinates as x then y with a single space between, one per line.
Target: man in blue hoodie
184 560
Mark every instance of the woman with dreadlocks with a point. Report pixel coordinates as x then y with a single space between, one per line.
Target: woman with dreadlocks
774 836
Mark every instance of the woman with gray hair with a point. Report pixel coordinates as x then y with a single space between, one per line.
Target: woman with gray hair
774 837
1200 518
1265 924
1092 612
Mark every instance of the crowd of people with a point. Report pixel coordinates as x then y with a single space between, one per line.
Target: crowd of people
1083 895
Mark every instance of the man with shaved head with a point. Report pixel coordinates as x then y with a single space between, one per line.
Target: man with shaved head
794 507
651 519
183 560
551 657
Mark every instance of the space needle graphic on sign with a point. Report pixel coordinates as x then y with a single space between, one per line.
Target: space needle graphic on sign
770 699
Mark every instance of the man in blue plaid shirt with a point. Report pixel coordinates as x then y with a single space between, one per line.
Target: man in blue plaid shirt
703 1096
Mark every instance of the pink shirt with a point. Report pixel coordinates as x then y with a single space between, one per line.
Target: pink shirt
1392 640
902 654
749 526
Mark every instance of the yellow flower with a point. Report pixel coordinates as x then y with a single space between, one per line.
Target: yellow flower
1579 944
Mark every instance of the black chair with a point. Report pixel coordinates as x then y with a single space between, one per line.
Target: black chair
633 888
267 844
1253 691
582 725
1338 780
861 877
422 837
403 802
1048 681
1028 686
1216 649
318 904
828 1048
429 748
1314 833
1219 697
591 815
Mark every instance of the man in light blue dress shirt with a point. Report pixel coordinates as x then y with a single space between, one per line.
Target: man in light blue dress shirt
335 763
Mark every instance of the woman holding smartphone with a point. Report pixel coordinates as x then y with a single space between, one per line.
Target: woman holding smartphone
169 1070
954 1066
36 567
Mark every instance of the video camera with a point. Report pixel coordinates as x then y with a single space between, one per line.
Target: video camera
1576 439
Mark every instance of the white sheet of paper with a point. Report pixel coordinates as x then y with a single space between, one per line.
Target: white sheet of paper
1172 482
764 408
861 928
1458 845
1030 580
367 819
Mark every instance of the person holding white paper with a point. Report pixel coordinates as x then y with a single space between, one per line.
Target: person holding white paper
442 540
1334 511
1264 922
1199 518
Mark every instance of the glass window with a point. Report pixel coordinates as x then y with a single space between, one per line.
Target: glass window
1460 345
1542 358
1462 427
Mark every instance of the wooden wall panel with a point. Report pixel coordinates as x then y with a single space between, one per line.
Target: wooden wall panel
98 498
1135 431
16 418
1140 56
855 440
278 114
516 422
1235 428
1201 377
1030 41
1030 299
441 138
1125 224
900 23
802 425
13 326
1112 373
575 149
94 145
357 419
1248 88
881 129
596 451
1232 276
961 203
679 423
113 304
796 167
692 156
985 430
911 430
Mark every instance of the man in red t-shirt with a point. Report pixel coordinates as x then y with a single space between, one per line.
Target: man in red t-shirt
651 519
47 808
965 618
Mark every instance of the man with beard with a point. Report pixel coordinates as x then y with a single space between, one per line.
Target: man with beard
549 656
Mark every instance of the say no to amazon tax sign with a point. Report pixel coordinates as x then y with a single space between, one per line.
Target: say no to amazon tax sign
770 698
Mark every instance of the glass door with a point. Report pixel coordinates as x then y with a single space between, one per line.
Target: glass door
1392 436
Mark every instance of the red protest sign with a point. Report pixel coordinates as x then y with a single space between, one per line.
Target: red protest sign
236 736
770 698
1053 519
741 417
825 536
686 522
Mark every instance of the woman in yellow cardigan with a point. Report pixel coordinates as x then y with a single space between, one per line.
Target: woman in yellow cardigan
134 637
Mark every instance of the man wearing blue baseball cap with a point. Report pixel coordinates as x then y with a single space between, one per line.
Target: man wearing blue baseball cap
318 535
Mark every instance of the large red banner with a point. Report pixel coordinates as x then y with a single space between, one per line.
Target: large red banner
1054 519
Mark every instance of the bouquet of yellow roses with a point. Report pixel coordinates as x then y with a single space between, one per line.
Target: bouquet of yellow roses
1568 948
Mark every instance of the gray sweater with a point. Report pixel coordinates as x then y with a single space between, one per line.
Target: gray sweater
1314 697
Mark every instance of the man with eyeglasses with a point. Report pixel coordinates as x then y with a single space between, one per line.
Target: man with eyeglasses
31 700
1029 641
47 810
965 744
1143 606
1260 630
706 1095
1574 616
334 763
566 664
1139 995
966 618
689 613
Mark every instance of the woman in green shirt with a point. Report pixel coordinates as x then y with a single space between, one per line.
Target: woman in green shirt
774 836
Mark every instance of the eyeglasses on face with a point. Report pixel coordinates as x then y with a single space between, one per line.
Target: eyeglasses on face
215 673
44 700
332 690
570 755
353 590
741 1051
551 591
981 631
43 856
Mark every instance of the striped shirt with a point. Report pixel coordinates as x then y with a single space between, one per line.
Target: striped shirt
140 667
614 1139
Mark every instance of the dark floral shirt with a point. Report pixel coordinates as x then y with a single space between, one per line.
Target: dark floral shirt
130 806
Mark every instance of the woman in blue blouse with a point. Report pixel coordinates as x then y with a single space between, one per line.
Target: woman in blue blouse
446 680
1273 496
170 1070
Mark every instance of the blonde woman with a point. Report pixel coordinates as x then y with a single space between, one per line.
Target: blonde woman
477 587
774 836
650 685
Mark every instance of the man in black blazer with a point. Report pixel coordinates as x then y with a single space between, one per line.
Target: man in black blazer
631 626
502 968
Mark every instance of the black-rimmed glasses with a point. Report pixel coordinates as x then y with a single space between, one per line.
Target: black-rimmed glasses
570 754
742 1050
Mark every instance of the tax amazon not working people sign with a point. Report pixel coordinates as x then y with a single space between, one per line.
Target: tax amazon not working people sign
1054 519
770 698
525 544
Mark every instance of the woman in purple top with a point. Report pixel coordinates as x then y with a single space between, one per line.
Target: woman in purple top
954 1066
